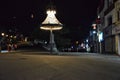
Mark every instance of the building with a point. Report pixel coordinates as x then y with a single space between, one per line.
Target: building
93 40
116 26
109 12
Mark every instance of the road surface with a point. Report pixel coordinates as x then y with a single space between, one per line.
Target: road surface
20 66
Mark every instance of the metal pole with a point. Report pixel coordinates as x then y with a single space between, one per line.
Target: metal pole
99 42
0 47
53 47
97 38
51 42
100 48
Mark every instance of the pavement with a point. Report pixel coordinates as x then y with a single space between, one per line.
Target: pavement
95 55
64 66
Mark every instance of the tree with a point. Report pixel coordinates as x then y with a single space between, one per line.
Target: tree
40 34
61 37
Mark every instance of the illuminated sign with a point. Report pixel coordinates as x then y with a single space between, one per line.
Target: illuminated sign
100 37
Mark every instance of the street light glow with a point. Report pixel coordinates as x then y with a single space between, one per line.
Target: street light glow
2 34
51 22
53 28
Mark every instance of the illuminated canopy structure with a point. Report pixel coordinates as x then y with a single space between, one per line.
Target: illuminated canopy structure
51 23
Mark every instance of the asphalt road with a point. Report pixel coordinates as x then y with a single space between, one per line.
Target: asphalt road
19 66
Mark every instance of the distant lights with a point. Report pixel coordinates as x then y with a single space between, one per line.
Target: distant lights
6 35
86 40
32 16
2 34
98 16
94 26
77 42
94 32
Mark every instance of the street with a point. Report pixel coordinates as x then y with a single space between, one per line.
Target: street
20 66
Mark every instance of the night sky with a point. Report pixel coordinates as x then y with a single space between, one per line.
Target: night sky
26 15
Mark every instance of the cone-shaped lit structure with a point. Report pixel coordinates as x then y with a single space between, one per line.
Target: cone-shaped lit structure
51 23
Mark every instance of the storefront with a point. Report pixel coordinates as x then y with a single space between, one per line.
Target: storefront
116 32
109 40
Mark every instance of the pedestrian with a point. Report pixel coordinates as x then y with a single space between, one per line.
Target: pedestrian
9 47
15 46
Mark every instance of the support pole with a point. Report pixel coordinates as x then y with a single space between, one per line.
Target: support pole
52 43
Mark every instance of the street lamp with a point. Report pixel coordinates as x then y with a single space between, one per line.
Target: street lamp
99 35
2 34
51 23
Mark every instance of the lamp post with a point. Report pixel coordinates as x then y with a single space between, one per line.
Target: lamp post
2 34
51 23
98 34
95 37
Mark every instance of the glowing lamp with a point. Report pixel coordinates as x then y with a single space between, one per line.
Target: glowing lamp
51 23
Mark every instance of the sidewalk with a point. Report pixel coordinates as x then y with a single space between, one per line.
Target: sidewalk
103 57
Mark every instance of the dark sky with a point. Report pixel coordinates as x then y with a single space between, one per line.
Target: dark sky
76 15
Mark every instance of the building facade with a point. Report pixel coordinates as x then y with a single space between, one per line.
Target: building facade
116 26
109 14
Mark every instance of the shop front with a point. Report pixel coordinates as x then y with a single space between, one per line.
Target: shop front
109 40
116 32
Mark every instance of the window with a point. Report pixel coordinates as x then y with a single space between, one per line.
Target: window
118 15
109 20
103 21
110 2
107 3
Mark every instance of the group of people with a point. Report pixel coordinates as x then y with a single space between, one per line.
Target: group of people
11 47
